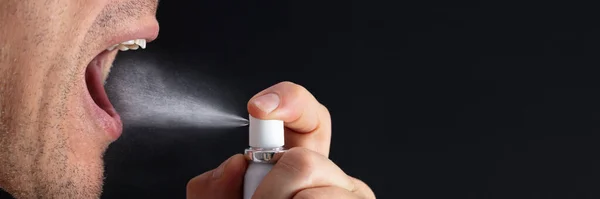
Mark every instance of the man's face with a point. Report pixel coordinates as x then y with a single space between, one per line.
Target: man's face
55 118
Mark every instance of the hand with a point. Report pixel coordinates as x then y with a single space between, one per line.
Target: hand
304 171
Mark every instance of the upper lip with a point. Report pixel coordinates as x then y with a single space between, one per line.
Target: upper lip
148 31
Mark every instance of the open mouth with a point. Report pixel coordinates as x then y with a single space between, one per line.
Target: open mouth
95 76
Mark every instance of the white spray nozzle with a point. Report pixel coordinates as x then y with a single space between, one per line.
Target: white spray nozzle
266 133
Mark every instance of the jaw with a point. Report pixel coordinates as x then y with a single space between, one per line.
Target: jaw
52 132
53 142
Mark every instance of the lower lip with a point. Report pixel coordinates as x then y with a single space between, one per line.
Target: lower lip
110 123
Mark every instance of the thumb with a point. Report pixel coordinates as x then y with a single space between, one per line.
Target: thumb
225 181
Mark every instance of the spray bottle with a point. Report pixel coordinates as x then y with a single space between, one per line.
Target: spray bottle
266 147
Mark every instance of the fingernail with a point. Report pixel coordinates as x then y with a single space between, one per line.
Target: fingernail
219 171
267 103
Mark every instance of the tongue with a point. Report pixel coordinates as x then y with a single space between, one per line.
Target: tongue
93 79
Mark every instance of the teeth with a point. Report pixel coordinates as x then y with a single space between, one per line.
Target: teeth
129 45
141 43
129 42
112 47
123 48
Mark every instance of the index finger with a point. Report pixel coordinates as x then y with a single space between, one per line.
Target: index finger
307 122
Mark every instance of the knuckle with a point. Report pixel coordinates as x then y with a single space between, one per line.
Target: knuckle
287 83
302 156
361 188
326 112
300 161
293 88
195 182
192 183
306 194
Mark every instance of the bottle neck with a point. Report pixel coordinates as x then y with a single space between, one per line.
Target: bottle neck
264 155
267 148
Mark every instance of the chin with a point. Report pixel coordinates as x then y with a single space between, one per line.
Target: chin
56 119
57 150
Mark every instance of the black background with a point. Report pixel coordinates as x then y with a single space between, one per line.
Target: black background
451 99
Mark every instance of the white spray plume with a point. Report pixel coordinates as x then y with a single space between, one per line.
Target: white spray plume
146 94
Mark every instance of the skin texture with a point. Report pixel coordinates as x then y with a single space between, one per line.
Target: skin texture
51 145
52 140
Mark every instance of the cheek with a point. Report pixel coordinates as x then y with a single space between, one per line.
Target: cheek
86 9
